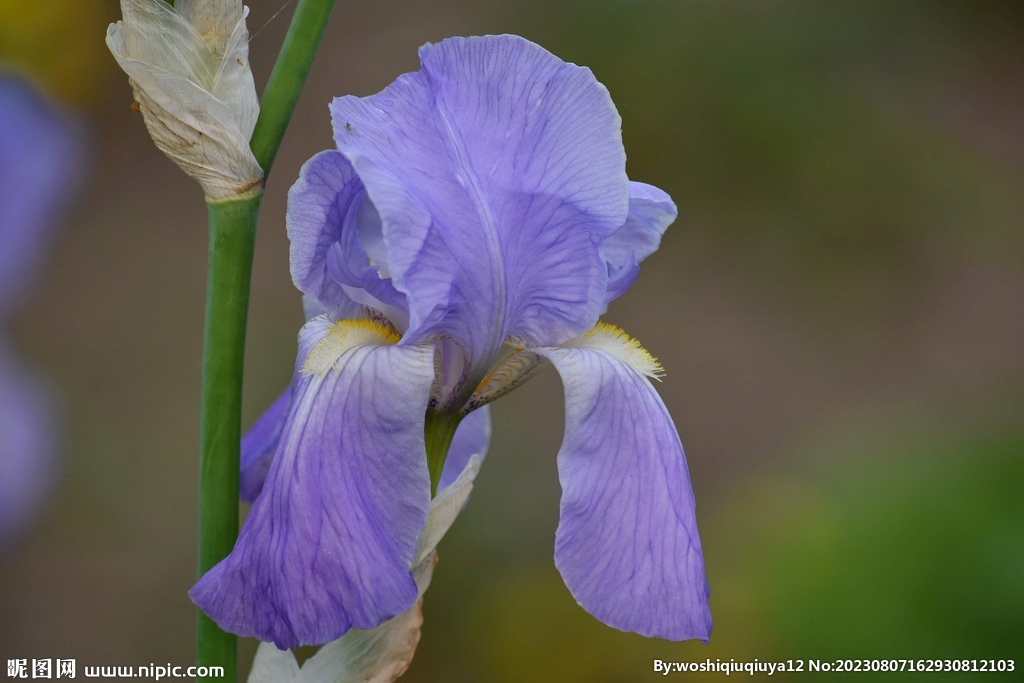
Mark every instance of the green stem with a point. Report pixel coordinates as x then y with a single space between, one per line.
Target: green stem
232 240
438 431
285 84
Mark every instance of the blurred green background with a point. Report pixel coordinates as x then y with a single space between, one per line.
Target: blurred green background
839 308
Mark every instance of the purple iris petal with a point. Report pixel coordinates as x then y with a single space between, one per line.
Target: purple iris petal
259 445
329 543
40 158
623 278
471 438
320 203
627 543
27 447
478 201
335 235
651 211
368 287
496 170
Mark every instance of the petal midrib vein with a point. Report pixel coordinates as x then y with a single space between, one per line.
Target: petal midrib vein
493 247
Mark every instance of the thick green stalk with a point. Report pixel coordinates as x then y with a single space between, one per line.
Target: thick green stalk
285 84
232 239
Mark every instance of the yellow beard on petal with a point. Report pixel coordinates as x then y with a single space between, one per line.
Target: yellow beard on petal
613 340
342 336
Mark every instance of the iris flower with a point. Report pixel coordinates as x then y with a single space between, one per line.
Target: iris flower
470 228
39 159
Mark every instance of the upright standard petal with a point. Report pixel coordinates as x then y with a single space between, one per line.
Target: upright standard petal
495 170
320 203
627 543
651 211
329 543
334 233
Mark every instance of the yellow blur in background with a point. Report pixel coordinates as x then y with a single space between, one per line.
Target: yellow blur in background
54 44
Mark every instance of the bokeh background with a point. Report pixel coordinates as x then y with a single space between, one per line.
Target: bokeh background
839 308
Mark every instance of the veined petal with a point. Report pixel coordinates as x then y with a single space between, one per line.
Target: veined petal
260 442
651 211
327 222
383 654
329 543
623 278
472 438
259 445
627 543
380 655
495 170
368 287
326 194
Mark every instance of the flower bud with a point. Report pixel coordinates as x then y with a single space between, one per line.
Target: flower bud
189 68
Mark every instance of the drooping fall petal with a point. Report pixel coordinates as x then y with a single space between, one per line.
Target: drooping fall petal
627 544
330 542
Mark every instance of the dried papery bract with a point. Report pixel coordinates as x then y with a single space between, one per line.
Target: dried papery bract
189 68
